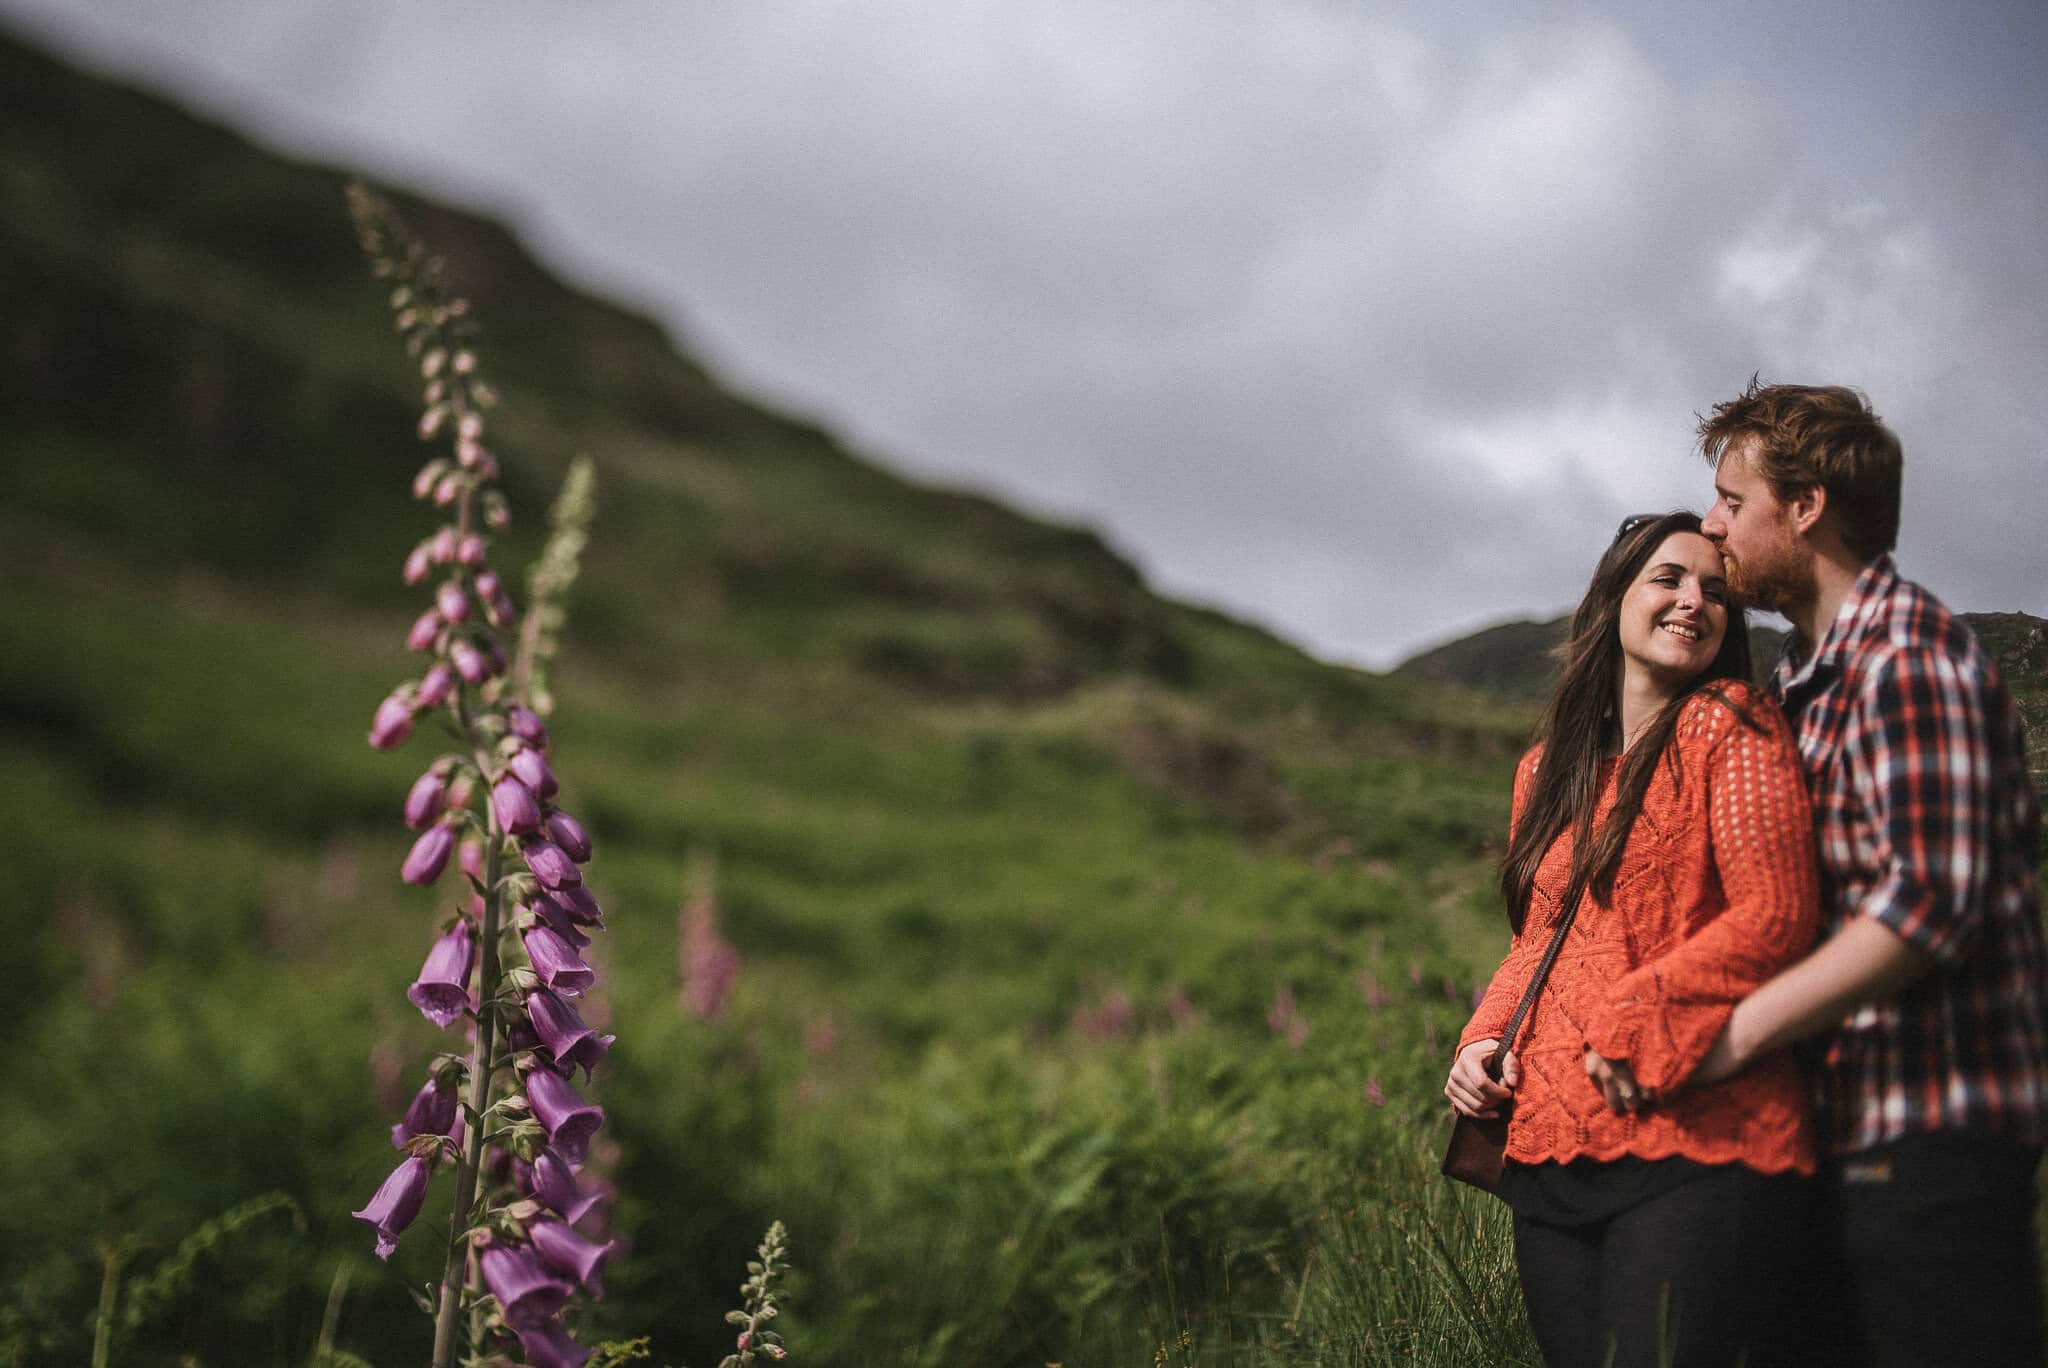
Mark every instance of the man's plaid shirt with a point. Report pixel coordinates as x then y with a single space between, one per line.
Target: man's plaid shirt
1927 822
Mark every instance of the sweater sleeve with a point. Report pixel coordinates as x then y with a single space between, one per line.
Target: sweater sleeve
1504 992
1664 1015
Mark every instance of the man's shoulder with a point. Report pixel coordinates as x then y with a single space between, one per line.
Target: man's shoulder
1910 632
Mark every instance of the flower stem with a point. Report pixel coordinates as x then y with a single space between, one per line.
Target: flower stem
471 1162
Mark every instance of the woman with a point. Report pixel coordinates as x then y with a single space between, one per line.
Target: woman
1672 793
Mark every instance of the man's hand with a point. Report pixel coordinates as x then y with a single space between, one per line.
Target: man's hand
1865 961
1616 1082
1471 1091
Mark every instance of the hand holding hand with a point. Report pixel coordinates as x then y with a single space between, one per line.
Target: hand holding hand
1472 1092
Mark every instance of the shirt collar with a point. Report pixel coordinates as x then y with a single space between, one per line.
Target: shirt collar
1861 608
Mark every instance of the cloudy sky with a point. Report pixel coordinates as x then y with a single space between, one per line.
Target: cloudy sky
1364 321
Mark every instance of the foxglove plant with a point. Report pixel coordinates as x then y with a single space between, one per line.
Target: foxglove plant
505 960
755 1340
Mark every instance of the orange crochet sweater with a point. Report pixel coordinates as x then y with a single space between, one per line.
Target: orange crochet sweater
1716 891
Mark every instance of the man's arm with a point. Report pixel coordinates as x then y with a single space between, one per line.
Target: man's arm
1866 961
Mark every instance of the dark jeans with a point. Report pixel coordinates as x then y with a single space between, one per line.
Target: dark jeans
1928 1256
1705 1272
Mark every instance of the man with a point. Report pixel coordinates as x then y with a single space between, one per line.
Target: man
1927 1000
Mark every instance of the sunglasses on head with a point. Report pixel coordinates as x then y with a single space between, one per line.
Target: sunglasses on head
1633 521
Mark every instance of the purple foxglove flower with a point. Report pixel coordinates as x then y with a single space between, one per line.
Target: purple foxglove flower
419 563
397 1201
423 482
442 547
436 685
528 1292
433 1112
495 658
518 810
469 550
453 603
448 490
548 1345
527 726
581 905
497 516
469 662
392 724
556 918
429 855
488 585
533 771
563 1034
570 1120
472 859
499 611
425 628
556 1188
520 1036
550 864
568 833
562 1248
441 992
557 963
428 796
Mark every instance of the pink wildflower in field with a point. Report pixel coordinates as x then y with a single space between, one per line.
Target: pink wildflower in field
821 1036
1374 1093
708 961
1284 1018
1370 988
1109 1018
1181 1008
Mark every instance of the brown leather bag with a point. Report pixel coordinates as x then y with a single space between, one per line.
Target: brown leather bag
1478 1144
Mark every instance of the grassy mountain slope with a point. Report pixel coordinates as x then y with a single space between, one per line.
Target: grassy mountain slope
963 775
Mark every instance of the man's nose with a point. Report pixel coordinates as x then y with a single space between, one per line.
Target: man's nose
1714 527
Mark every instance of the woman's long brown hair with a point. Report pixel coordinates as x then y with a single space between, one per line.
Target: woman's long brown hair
1582 726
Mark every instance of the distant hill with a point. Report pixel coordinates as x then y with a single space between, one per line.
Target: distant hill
1513 661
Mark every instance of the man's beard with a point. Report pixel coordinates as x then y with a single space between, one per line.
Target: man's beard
1776 582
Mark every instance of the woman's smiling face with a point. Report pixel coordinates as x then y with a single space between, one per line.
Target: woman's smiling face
1675 613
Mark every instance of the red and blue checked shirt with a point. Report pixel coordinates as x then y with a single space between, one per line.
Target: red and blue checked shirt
1926 821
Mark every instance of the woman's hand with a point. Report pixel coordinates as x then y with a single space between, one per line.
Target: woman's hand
1471 1091
1616 1082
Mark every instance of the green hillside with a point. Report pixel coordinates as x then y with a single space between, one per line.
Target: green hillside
969 785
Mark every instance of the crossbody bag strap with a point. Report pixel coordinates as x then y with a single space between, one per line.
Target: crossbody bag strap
1514 1028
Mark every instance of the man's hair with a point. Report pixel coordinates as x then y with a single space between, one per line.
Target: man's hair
1824 435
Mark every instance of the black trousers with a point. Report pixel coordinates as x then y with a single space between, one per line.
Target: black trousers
1704 1275
1927 1255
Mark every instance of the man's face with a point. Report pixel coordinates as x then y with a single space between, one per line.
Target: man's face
1769 567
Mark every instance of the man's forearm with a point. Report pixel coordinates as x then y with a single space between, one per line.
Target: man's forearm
1863 962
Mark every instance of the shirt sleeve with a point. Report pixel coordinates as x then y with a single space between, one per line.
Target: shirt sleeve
1919 743
1504 992
1664 1015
